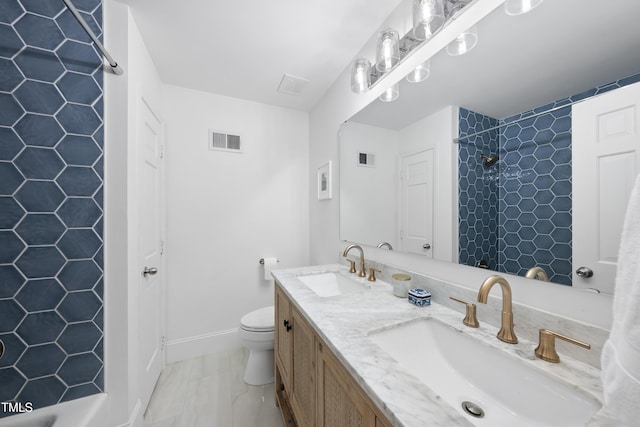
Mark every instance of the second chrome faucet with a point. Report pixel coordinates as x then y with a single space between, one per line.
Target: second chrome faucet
506 332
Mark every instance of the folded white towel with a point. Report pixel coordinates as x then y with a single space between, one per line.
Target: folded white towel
621 388
621 353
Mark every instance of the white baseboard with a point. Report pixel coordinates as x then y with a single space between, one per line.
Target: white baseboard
200 345
136 418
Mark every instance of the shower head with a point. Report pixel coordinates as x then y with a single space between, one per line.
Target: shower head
489 160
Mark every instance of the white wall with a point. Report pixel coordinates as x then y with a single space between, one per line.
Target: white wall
140 78
369 195
225 211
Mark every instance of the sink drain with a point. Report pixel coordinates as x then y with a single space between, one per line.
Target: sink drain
472 409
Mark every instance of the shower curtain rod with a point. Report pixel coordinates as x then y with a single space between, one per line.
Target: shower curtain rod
112 62
532 116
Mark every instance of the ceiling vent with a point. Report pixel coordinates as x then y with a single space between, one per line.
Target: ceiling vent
221 141
292 85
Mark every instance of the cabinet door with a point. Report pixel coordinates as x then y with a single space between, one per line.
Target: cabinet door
340 402
283 338
303 387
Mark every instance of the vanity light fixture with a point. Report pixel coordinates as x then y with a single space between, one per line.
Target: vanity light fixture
466 41
390 94
420 73
387 50
428 18
519 7
360 75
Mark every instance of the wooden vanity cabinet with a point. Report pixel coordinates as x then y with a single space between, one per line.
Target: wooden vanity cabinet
340 403
283 337
303 387
313 389
295 359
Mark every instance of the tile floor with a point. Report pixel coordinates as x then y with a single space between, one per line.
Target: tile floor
209 391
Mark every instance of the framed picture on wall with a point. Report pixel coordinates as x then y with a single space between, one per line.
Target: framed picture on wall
324 181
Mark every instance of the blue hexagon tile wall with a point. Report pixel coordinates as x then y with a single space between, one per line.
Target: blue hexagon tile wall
528 223
51 148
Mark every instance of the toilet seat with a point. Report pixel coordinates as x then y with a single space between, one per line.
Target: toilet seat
260 320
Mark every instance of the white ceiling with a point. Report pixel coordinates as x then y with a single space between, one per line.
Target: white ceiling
242 48
561 48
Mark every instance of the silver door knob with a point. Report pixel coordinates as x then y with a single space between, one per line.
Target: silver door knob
426 246
584 272
149 271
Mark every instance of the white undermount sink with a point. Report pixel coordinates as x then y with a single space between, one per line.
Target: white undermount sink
333 283
461 368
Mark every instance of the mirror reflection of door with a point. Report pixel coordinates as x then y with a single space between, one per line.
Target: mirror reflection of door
417 203
606 161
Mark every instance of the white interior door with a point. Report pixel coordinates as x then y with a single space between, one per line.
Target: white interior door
417 203
605 163
151 285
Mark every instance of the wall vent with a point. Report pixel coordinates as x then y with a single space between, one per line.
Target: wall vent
222 141
366 159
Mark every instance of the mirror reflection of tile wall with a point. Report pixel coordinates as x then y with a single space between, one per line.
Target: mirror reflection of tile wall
477 191
516 214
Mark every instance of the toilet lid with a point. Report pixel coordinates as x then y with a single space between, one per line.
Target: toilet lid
259 320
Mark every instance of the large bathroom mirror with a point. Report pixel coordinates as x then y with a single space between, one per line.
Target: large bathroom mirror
502 196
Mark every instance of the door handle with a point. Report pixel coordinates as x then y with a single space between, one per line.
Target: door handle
426 246
149 271
584 272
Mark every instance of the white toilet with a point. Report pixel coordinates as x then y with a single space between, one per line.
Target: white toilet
257 335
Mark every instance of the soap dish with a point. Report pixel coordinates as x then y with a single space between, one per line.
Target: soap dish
419 297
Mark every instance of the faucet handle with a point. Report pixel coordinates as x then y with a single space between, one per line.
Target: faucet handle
372 274
470 319
546 349
352 266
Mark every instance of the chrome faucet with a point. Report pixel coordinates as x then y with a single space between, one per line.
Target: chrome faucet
385 245
537 273
506 332
361 273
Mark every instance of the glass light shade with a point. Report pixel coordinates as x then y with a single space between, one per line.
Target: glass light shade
360 75
391 94
428 18
387 50
518 7
466 41
420 73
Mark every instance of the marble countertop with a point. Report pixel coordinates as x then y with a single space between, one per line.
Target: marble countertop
344 321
